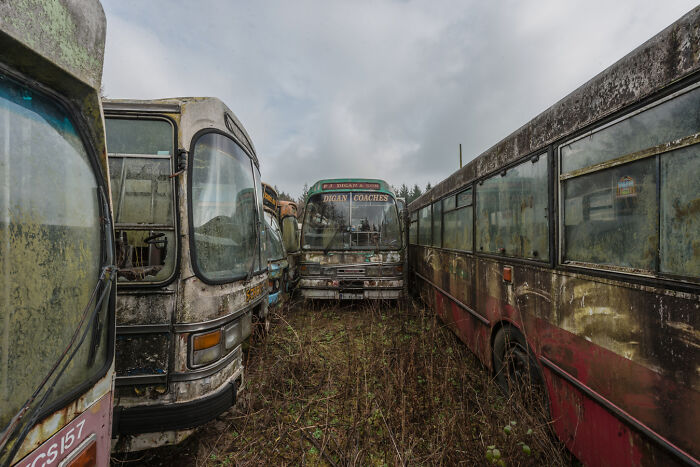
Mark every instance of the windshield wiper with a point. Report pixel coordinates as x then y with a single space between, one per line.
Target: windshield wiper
106 259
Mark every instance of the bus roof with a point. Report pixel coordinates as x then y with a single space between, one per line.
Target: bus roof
69 35
194 114
667 57
351 184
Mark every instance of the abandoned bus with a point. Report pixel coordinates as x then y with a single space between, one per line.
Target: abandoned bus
192 272
351 241
288 216
569 255
56 238
277 265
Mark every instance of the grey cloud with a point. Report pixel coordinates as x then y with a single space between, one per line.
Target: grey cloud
380 89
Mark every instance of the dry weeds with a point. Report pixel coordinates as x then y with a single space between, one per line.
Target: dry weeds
366 384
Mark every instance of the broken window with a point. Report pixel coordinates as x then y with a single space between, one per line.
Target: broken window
140 164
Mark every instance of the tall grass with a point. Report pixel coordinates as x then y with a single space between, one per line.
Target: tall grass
369 384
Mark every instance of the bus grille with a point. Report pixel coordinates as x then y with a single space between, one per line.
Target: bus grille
350 272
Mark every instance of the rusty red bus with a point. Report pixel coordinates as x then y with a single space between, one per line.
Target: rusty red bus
568 254
56 237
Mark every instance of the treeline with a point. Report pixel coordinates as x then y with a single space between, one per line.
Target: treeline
283 196
410 194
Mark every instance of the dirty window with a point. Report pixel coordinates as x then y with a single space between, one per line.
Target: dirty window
665 122
359 220
275 250
139 136
680 212
464 198
142 190
457 229
374 221
413 233
437 224
457 225
424 226
511 212
142 196
223 209
50 248
610 216
326 221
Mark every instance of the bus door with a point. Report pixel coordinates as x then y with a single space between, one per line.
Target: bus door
141 166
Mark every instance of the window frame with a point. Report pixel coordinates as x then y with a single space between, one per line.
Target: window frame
175 194
655 152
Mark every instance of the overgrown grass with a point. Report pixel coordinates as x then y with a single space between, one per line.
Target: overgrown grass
367 384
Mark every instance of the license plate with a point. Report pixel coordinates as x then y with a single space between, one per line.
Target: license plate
252 293
352 296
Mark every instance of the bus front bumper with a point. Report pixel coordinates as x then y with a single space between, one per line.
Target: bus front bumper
351 289
145 427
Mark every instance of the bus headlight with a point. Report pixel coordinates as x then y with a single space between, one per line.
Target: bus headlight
232 335
206 347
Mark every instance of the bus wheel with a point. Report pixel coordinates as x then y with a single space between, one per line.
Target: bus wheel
514 367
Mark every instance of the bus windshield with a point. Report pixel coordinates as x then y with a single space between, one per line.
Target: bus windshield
275 250
50 250
223 209
344 221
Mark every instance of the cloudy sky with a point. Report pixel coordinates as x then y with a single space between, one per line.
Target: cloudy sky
370 88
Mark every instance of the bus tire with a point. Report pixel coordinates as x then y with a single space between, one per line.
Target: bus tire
514 365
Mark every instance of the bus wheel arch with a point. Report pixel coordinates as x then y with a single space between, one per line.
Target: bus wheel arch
514 362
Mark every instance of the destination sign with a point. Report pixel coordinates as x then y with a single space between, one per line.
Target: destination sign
350 186
269 198
335 198
370 197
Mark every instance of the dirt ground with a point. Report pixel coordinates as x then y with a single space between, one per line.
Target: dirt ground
365 384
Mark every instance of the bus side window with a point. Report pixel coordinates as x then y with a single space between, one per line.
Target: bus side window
413 229
437 224
607 210
680 212
457 221
609 184
511 210
424 226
